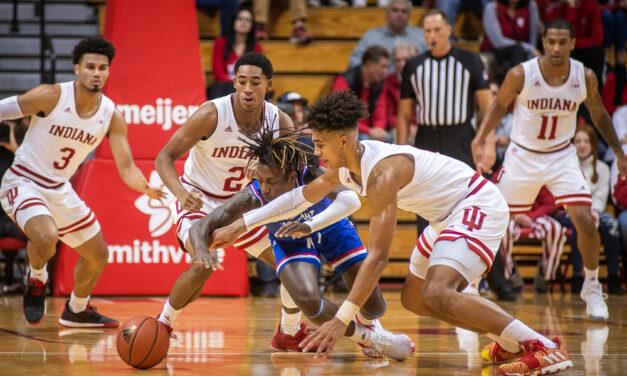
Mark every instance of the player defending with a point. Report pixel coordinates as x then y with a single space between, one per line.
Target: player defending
548 91
467 216
69 120
282 166
216 170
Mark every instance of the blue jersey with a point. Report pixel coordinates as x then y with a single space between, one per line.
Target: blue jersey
338 243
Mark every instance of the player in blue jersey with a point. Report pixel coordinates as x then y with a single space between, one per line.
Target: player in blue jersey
283 164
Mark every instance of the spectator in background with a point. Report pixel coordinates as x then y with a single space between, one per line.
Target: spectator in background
597 175
366 81
239 39
296 106
397 30
615 32
585 16
384 116
452 7
511 32
227 9
298 11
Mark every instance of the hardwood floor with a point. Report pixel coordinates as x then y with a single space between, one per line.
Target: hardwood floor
229 336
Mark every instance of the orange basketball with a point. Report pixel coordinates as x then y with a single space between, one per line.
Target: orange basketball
143 342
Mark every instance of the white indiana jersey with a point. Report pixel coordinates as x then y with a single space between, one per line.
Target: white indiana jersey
545 117
55 145
438 185
216 165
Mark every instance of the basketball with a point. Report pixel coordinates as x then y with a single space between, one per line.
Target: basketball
142 342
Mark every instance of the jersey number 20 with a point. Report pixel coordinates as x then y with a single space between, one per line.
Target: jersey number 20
65 160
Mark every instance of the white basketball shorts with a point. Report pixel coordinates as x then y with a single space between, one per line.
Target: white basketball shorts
23 199
254 241
480 219
524 172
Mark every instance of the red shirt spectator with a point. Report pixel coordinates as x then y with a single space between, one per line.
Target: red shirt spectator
223 69
585 18
516 28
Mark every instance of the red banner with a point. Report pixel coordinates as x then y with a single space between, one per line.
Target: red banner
156 78
144 256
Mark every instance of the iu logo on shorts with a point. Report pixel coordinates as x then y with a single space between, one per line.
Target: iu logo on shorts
473 218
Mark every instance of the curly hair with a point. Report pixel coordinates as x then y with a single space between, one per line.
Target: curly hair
286 152
336 111
93 45
255 59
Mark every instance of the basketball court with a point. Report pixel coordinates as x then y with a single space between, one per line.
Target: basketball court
227 336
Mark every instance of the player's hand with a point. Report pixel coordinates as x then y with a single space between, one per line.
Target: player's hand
12 144
208 258
251 170
293 229
621 164
596 216
225 236
191 201
481 156
156 193
325 337
377 133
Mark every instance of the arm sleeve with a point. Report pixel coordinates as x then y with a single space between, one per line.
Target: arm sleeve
407 91
10 109
345 204
492 27
217 62
286 206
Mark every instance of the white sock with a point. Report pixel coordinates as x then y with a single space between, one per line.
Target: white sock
591 275
169 314
290 322
364 320
506 344
78 304
361 335
519 332
40 274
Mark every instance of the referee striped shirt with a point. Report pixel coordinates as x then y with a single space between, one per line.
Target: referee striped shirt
444 88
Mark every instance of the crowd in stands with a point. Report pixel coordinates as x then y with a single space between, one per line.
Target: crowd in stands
512 31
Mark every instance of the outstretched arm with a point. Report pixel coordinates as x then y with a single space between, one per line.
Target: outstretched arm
39 101
200 234
286 206
384 182
201 124
602 120
512 85
130 174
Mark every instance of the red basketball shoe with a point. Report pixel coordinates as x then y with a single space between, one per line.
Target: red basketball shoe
496 354
540 360
286 342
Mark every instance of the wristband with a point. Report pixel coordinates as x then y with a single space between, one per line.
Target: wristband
347 311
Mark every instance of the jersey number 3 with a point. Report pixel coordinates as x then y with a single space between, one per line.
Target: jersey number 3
233 184
545 121
65 160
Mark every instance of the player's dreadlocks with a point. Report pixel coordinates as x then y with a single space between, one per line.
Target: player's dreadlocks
285 152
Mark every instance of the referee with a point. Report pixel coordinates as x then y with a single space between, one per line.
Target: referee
441 86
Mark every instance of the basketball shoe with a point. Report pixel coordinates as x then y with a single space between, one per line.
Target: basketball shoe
370 351
592 294
87 318
540 360
286 342
34 304
496 354
395 346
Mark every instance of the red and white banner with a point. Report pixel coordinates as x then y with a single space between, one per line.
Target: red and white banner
156 80
144 255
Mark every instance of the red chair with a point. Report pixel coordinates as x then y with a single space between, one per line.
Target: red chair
9 246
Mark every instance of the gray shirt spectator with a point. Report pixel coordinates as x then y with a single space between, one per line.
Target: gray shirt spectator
397 30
